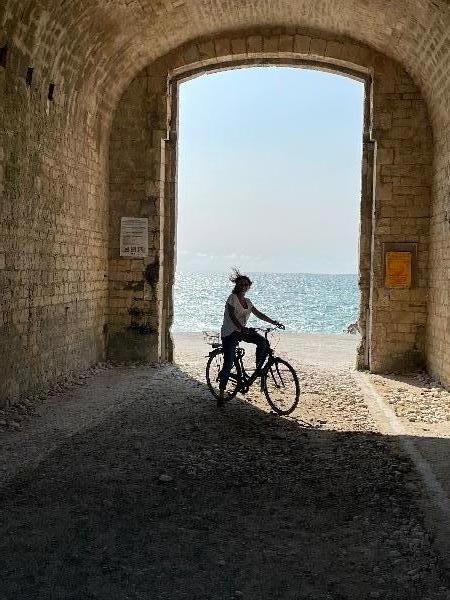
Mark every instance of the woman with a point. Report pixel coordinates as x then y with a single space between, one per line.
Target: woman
237 312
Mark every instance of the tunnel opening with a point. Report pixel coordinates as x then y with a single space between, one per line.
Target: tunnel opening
394 206
269 178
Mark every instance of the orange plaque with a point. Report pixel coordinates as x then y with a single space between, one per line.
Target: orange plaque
398 269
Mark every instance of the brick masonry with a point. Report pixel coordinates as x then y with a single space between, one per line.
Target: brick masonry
394 207
58 279
53 235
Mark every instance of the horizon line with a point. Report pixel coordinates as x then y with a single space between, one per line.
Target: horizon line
267 272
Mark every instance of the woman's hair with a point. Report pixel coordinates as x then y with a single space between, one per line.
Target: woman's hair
237 278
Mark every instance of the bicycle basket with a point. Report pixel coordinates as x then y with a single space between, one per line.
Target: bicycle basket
212 338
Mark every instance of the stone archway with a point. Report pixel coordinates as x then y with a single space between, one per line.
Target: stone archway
395 201
63 70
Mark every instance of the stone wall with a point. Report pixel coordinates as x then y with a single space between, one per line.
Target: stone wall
395 207
53 235
438 329
438 347
403 162
135 171
54 173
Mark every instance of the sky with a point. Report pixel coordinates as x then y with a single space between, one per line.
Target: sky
269 172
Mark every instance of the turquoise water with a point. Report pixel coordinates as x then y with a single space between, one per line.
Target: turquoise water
303 302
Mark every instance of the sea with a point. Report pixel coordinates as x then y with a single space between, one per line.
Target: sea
304 302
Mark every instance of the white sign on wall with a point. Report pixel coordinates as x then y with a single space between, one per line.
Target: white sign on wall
133 237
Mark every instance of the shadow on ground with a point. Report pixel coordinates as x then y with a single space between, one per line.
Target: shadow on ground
249 506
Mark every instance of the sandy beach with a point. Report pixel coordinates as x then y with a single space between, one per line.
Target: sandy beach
324 350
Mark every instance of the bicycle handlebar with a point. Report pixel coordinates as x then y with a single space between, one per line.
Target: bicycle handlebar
267 330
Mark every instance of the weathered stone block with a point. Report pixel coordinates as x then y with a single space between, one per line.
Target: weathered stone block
302 44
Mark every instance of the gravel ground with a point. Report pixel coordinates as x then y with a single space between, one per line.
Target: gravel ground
417 398
166 497
423 408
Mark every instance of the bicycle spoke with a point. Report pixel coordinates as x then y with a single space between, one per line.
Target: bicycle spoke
273 377
281 387
213 371
278 371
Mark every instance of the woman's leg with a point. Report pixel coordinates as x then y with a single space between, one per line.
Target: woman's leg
229 344
253 337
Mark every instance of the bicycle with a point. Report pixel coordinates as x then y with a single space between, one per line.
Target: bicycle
279 381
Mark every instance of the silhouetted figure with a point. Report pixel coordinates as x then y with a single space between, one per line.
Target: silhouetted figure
353 328
237 312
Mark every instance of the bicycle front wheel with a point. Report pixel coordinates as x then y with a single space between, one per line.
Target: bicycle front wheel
281 387
213 369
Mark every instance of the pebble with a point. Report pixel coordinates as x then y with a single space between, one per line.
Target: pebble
249 463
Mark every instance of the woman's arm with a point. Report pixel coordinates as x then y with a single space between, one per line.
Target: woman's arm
264 317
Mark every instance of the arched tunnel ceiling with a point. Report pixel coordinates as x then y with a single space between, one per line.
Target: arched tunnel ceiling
101 44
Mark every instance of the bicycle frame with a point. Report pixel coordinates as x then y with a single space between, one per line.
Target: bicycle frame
245 381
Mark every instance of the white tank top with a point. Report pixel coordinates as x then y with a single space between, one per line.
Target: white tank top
242 315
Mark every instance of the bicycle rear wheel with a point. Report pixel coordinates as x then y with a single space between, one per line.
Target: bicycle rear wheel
281 387
213 369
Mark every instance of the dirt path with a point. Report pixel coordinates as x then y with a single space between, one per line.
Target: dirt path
167 498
